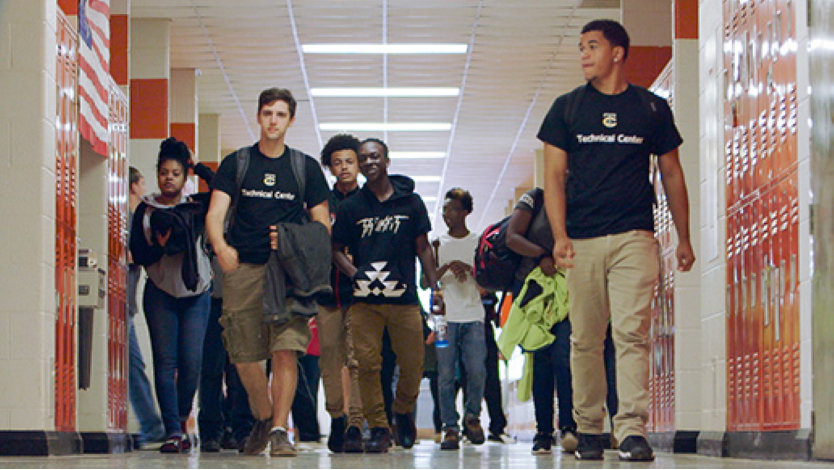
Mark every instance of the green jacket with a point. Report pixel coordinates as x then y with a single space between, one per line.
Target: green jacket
542 302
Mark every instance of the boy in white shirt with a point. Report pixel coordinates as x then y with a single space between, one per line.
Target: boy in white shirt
465 317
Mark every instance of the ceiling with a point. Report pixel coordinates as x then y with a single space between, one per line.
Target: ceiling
521 54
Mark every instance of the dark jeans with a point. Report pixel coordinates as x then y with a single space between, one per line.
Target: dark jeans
216 412
177 328
551 369
435 398
305 402
492 389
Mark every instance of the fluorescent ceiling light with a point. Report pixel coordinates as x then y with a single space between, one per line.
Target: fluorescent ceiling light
416 155
385 126
395 92
384 48
426 179
429 198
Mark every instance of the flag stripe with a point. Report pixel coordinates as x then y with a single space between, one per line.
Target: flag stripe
94 65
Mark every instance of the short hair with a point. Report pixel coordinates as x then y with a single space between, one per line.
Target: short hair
277 94
173 149
462 195
378 141
336 143
612 31
134 175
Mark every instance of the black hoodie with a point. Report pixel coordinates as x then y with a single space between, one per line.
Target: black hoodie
382 236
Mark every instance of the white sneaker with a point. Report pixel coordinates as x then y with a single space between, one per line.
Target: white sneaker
502 438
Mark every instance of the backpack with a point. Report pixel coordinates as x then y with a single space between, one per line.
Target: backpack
242 157
495 263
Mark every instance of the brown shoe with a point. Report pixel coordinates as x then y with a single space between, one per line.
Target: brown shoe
473 430
258 437
451 440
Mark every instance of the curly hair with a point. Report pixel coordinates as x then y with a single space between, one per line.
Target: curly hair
173 149
336 143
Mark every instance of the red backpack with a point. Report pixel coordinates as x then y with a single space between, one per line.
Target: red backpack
495 263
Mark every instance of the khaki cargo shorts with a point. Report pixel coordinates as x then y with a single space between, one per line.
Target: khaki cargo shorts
246 337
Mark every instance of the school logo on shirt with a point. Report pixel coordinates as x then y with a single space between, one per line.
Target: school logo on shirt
609 120
269 179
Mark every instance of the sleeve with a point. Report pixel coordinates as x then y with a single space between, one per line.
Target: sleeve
143 253
316 190
531 201
205 173
554 130
421 216
341 230
667 137
225 178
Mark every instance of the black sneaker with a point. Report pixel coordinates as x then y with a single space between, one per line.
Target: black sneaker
336 440
589 447
353 440
542 443
210 445
379 442
636 448
258 437
406 430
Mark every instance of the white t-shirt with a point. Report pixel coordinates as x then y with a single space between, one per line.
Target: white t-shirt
463 302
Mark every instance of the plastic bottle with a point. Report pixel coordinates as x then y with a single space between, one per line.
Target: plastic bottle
441 340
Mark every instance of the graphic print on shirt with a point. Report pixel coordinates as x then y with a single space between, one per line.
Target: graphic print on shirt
609 120
377 284
389 223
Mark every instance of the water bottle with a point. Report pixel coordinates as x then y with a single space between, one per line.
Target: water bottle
441 339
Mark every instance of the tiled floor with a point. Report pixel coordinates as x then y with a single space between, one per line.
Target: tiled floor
425 454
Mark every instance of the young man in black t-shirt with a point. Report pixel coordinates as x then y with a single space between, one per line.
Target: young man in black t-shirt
269 194
384 227
597 144
339 155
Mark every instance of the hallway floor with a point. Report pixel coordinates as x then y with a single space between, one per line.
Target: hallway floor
426 454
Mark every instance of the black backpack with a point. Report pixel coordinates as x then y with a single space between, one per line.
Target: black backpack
495 263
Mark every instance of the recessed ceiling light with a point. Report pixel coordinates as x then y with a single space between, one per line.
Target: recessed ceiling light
384 48
426 179
384 126
395 92
415 155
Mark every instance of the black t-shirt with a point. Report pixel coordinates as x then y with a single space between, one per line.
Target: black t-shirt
382 236
608 146
268 195
342 288
538 232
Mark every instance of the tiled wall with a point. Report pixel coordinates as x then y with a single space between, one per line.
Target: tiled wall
27 202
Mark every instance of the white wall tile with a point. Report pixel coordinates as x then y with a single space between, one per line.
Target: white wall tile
26 391
4 337
150 48
688 420
26 336
39 418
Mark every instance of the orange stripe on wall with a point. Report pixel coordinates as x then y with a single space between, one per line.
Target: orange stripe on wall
185 132
69 7
119 33
149 108
645 63
686 19
203 186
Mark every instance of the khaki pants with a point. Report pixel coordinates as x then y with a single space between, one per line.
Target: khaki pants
405 327
337 352
612 275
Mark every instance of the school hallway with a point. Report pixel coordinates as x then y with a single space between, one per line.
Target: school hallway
425 454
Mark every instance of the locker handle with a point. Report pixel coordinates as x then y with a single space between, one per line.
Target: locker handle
743 286
794 275
777 312
764 294
754 283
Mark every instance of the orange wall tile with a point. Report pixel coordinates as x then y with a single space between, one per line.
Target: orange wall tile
69 7
185 132
645 63
686 19
149 108
119 33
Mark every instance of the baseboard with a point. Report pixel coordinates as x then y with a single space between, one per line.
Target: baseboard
39 443
678 442
761 445
106 442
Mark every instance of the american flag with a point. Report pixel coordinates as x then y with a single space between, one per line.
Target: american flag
94 30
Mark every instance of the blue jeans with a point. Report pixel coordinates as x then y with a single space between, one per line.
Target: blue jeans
177 328
215 416
467 343
139 391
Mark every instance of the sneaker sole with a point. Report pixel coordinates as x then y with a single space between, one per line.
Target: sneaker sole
283 453
627 456
542 452
588 457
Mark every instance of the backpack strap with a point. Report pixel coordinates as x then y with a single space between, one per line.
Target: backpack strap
242 157
298 162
